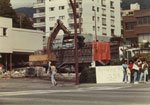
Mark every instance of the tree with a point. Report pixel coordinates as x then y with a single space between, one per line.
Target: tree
25 21
6 10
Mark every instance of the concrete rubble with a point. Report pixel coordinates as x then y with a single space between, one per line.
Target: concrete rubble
23 72
39 72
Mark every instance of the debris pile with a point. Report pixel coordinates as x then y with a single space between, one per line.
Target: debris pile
23 72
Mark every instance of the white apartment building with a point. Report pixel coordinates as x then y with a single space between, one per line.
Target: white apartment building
107 13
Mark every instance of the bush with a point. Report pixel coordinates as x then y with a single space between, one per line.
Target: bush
88 76
116 62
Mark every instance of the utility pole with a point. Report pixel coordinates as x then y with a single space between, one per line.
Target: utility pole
73 5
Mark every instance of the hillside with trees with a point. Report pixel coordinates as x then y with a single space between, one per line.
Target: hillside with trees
6 10
145 4
26 10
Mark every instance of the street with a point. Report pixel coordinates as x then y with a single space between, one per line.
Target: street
29 91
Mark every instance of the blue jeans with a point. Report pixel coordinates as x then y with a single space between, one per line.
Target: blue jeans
53 78
143 74
131 76
125 77
136 75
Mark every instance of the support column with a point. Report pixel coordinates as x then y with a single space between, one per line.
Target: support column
6 62
10 62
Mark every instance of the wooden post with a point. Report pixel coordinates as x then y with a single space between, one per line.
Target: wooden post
10 62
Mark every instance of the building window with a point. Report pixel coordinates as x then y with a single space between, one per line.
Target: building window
131 13
130 25
104 21
93 8
93 18
104 12
112 13
4 31
103 2
50 28
51 8
40 10
51 18
40 1
111 4
112 32
98 28
93 28
61 17
98 19
97 9
104 31
144 20
41 20
61 7
112 22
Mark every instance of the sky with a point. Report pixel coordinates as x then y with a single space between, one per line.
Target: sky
22 3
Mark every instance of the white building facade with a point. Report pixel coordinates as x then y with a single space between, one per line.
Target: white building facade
16 43
107 13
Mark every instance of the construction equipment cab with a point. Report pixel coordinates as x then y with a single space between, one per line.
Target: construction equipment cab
41 59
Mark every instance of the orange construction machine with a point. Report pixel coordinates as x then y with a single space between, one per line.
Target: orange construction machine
41 59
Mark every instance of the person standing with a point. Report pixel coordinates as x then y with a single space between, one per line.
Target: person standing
136 69
144 70
53 73
131 71
49 67
125 77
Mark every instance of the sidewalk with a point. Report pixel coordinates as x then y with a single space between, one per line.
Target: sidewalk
37 84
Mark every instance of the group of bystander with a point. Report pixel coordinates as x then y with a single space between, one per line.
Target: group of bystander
135 71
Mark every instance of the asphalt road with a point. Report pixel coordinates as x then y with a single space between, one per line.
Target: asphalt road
40 92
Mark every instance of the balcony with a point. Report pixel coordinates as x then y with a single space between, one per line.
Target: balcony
79 10
38 15
39 5
72 30
71 21
77 1
40 24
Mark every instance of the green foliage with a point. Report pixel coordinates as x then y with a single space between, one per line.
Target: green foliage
116 62
26 22
143 3
6 10
88 76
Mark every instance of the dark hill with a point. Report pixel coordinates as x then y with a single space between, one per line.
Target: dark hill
26 10
145 4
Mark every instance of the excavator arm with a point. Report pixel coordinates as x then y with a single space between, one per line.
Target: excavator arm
59 26
41 59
